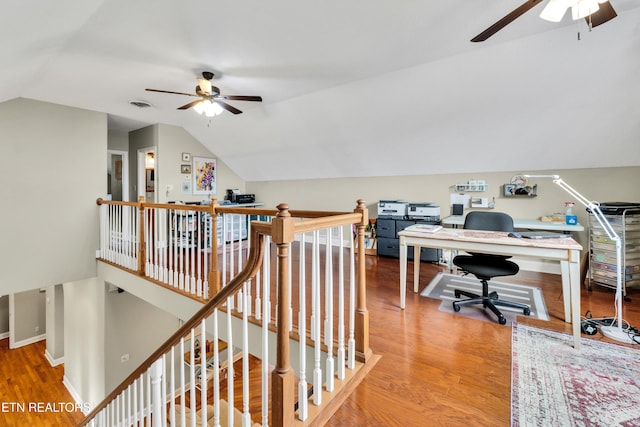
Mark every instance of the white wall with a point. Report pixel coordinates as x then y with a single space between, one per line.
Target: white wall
118 140
134 328
29 316
53 167
4 316
172 142
55 324
84 340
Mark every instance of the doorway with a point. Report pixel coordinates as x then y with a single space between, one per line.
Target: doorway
147 174
117 175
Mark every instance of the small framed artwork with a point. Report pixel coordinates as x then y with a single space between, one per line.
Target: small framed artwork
185 187
185 168
186 157
204 175
509 189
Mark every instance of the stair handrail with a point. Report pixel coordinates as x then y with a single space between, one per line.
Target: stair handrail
253 264
282 231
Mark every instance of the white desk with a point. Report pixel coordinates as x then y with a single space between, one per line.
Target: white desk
530 224
565 250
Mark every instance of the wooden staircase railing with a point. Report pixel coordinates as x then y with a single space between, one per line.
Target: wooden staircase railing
284 228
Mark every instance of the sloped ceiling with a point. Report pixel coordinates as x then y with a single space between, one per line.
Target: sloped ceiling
351 88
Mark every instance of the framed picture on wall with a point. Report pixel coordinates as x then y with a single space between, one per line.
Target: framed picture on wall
509 190
186 157
185 188
204 175
185 168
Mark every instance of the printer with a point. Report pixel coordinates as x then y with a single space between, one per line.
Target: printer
392 209
424 211
236 196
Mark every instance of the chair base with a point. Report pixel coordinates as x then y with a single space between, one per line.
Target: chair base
488 300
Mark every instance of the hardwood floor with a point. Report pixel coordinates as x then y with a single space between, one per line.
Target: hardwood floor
32 390
439 369
436 369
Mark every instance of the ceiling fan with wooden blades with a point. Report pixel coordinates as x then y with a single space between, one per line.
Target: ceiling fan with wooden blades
211 102
595 12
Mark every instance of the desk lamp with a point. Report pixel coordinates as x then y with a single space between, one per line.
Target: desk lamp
613 332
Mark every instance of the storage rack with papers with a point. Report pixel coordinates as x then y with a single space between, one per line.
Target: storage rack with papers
602 250
389 242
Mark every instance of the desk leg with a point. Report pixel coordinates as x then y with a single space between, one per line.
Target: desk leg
576 287
416 268
566 289
403 271
571 295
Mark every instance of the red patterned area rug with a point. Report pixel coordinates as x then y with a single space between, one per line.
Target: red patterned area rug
553 384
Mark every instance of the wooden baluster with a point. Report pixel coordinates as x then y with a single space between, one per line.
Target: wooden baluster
230 369
199 251
142 257
216 370
232 255
317 369
266 318
172 387
214 273
302 329
328 310
246 415
183 392
283 376
156 383
203 371
363 352
135 402
340 355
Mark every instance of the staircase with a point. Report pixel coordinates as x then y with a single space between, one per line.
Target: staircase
283 330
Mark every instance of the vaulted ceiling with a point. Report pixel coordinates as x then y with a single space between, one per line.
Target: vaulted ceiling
350 88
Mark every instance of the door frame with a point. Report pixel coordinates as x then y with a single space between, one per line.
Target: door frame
125 171
142 176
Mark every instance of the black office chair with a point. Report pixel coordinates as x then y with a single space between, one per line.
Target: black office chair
487 266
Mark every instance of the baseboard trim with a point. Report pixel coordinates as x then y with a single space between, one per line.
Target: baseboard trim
51 360
75 396
4 335
28 341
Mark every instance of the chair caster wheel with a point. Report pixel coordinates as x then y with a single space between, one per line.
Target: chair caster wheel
456 307
502 320
526 311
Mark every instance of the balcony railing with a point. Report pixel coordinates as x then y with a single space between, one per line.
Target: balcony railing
292 281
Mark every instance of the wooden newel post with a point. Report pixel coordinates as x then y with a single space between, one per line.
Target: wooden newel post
214 273
363 352
142 254
283 387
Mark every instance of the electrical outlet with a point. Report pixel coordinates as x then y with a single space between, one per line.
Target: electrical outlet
124 358
37 328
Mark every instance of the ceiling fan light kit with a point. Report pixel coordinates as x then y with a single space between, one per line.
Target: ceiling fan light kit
595 12
210 102
208 108
554 10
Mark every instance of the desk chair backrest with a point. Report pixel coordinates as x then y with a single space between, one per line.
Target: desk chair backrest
488 221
